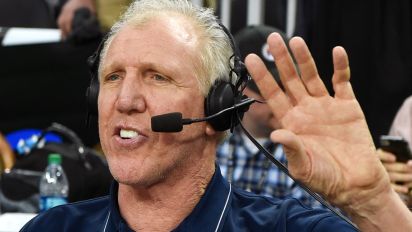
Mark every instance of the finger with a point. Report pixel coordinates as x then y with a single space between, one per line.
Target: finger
270 90
308 71
341 75
400 177
65 22
400 188
386 156
398 167
298 161
61 23
408 185
287 71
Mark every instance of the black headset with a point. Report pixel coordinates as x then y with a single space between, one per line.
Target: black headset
222 95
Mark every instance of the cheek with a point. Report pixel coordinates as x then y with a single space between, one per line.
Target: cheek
106 103
105 109
190 106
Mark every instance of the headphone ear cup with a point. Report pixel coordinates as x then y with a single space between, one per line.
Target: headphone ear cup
92 95
221 96
92 92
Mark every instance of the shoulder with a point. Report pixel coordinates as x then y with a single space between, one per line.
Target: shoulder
259 213
78 216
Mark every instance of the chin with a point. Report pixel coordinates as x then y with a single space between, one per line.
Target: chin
131 173
138 182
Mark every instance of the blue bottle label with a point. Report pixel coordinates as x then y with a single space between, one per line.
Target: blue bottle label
47 202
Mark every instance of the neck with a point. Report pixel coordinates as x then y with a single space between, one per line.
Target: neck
163 206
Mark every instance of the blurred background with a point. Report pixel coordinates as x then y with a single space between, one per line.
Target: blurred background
46 82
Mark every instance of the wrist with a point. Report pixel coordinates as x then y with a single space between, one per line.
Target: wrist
379 213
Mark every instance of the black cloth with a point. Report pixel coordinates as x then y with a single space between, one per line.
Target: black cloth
26 13
45 83
377 34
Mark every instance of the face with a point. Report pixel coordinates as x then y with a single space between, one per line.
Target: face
150 70
259 119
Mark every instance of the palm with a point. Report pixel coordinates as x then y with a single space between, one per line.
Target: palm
325 137
329 128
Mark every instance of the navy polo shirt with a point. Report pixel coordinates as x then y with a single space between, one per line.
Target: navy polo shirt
222 208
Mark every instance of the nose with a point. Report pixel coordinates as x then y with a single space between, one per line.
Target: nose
131 98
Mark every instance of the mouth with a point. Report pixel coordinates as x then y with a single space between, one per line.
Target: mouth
126 137
128 134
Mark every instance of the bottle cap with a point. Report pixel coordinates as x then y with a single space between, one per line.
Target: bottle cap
54 158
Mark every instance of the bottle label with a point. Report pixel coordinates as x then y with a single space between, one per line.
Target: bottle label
47 202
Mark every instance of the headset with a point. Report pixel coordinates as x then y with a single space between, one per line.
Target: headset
222 95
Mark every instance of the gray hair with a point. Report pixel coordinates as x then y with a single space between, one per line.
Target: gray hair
215 48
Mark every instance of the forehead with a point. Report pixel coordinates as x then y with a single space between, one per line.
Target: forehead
174 41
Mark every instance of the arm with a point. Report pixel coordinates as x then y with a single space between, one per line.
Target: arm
6 154
64 21
326 138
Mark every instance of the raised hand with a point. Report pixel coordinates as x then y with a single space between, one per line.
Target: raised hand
326 138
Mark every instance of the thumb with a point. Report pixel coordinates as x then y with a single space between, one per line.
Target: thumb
299 163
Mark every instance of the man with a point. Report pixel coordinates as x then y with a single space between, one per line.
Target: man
240 161
400 173
162 57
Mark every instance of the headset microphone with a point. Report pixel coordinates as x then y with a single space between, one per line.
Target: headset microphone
173 122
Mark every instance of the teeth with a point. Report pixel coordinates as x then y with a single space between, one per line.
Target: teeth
127 134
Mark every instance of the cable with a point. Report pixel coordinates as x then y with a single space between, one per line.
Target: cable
243 103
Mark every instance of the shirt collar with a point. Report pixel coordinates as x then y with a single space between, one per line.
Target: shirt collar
116 222
208 215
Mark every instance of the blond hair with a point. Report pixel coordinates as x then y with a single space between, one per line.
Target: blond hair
215 49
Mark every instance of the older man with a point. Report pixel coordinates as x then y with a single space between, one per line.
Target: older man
164 56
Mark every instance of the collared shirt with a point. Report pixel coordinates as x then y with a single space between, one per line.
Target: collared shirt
248 168
221 208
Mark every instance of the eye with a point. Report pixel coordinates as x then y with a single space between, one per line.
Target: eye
158 77
112 77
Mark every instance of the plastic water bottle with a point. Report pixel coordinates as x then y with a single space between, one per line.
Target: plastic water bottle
54 187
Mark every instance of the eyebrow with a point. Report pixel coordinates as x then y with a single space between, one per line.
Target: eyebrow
166 69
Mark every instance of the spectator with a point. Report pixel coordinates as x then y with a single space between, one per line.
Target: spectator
240 161
400 173
402 124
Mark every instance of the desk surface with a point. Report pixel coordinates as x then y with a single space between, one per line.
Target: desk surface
10 222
